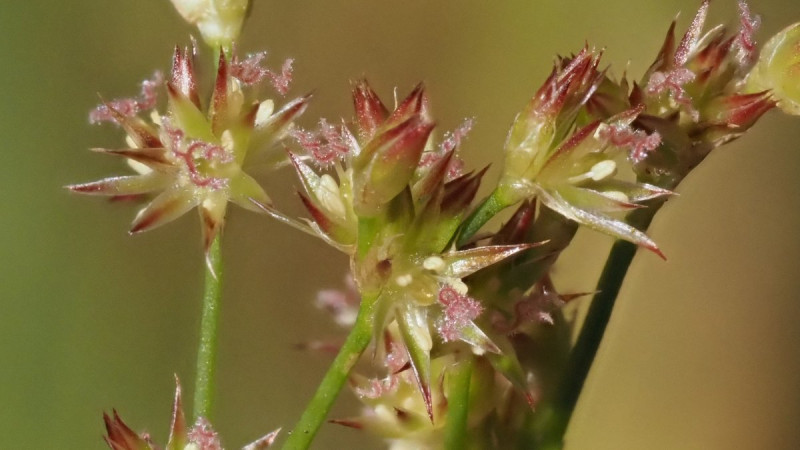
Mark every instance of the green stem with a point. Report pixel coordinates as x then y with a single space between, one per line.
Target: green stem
488 209
317 410
552 420
455 436
209 325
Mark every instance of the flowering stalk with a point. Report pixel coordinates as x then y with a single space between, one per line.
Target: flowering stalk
317 410
205 375
458 405
552 420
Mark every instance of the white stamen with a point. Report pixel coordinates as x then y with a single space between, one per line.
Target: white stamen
602 170
227 141
155 117
434 263
404 280
477 351
131 143
458 285
140 168
330 197
618 196
264 112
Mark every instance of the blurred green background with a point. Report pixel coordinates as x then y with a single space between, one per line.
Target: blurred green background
703 351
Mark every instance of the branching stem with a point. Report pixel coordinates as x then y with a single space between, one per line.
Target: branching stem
316 412
552 420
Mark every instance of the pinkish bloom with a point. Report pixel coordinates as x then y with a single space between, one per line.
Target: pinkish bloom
204 436
189 157
459 310
250 72
129 107
200 437
327 145
452 140
342 304
745 42
637 142
673 82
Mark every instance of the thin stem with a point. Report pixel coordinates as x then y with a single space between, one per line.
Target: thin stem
458 405
488 209
316 412
207 349
552 420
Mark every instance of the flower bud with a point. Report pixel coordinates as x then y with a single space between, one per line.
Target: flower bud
219 21
778 69
387 163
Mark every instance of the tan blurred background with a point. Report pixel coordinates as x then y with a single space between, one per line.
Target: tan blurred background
703 350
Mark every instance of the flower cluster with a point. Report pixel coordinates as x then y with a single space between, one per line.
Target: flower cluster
393 178
454 317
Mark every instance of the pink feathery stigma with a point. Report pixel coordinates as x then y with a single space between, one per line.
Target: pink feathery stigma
249 71
459 311
129 107
204 436
326 145
638 142
745 40
397 358
341 304
198 150
378 387
280 81
455 168
453 139
174 135
689 41
672 82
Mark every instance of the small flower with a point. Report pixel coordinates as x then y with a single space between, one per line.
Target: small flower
193 158
201 436
577 179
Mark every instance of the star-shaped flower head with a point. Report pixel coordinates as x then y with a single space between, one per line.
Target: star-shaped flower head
572 166
201 436
191 156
